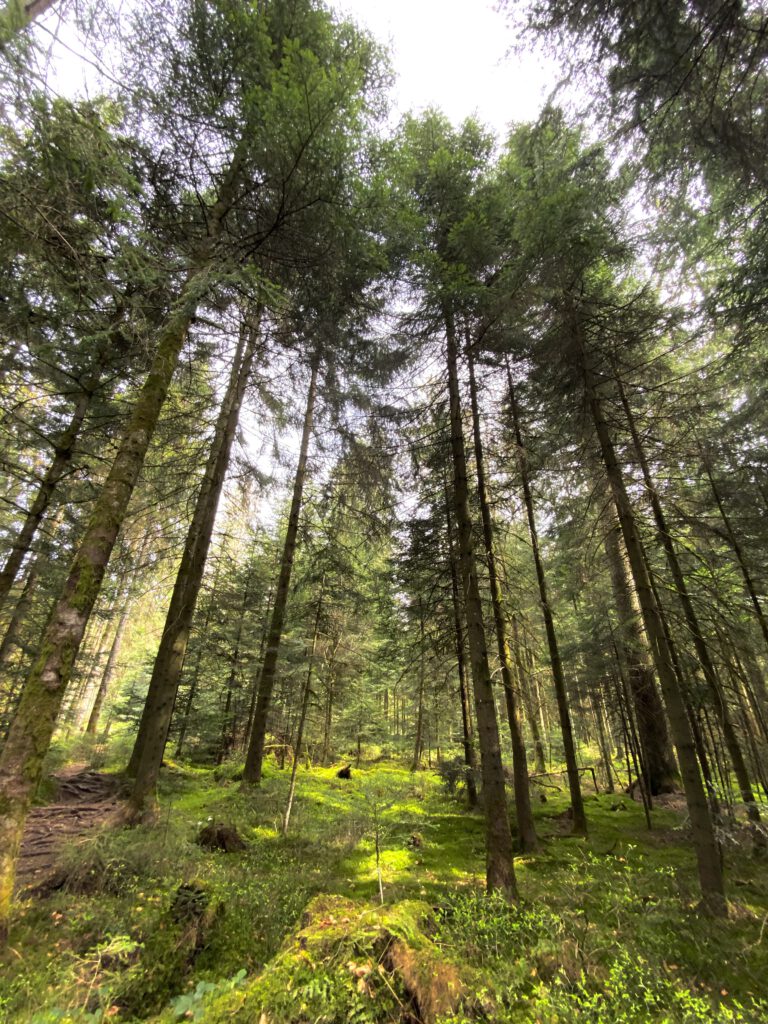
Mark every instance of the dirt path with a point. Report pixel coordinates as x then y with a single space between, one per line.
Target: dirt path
85 800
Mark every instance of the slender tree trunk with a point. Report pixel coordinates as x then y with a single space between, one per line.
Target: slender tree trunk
651 720
702 651
419 740
109 671
304 706
500 872
526 828
703 833
466 719
229 724
558 675
114 652
597 710
255 756
147 756
62 457
529 701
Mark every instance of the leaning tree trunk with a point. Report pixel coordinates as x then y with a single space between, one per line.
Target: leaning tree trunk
526 828
500 871
720 706
466 721
255 756
702 828
651 721
558 675
147 756
62 457
21 761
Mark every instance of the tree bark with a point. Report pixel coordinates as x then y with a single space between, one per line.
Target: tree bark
500 871
558 675
147 755
719 703
255 756
702 828
526 828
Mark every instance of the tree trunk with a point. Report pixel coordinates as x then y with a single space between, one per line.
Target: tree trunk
466 720
558 676
702 651
652 730
529 702
419 740
304 706
114 652
63 450
702 829
255 756
109 671
526 828
147 755
500 871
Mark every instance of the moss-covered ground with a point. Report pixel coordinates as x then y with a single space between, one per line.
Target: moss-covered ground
292 930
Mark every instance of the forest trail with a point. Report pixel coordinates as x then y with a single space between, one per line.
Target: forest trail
85 799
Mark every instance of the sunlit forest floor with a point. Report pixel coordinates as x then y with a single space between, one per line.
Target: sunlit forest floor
144 923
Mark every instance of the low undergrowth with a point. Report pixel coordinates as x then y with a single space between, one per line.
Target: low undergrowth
150 926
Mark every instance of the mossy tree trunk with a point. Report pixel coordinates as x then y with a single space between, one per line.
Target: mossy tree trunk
500 871
149 747
255 756
558 675
526 829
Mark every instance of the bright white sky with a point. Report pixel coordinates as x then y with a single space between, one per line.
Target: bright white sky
451 54
454 54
